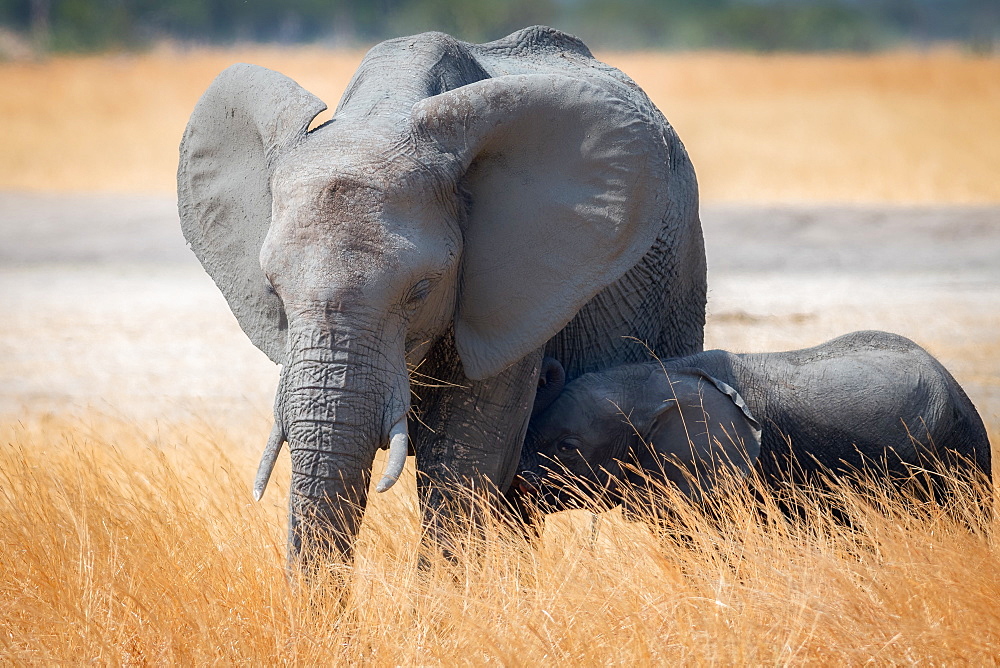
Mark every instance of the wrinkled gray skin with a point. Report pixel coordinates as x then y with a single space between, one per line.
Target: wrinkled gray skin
866 397
467 208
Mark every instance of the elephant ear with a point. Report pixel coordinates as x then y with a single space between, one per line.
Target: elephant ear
702 428
551 381
753 445
246 119
568 189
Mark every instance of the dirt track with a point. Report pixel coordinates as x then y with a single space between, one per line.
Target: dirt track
104 307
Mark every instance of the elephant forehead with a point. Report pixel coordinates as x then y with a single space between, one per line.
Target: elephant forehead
324 196
573 414
346 254
320 206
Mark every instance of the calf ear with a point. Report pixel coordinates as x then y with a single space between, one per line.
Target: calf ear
752 427
704 428
551 380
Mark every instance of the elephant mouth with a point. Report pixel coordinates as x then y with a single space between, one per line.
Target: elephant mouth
526 484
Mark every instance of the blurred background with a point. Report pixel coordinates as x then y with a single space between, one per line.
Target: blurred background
761 25
847 151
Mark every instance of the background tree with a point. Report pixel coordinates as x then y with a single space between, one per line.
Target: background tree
766 25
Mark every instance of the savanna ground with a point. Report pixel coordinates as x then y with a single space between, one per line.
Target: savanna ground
841 193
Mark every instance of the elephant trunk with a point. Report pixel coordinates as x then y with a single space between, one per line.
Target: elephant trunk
336 408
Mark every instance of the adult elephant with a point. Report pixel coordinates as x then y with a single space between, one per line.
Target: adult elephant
467 207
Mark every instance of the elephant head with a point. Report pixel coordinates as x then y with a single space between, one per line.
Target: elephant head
681 426
490 212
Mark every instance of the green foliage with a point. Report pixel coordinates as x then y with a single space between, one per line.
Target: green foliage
472 21
795 26
90 25
765 25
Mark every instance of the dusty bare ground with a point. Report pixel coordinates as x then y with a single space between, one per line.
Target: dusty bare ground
103 306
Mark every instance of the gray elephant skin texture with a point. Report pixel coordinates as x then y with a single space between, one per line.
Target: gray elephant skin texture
864 401
466 209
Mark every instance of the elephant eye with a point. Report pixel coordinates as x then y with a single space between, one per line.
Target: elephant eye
418 292
568 444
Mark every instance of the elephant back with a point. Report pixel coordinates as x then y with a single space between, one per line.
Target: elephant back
862 398
544 50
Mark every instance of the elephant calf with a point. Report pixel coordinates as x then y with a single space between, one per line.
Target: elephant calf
864 399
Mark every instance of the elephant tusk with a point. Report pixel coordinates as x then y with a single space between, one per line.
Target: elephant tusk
399 445
267 460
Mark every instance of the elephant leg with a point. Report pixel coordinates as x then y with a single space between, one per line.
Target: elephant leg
475 447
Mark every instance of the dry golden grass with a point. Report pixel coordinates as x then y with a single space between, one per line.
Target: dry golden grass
133 543
132 546
897 127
